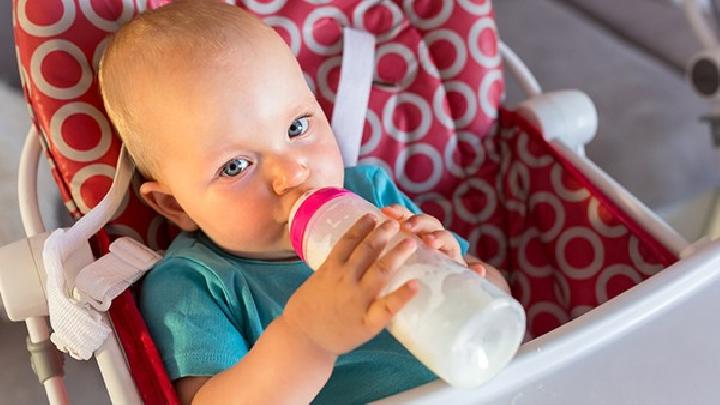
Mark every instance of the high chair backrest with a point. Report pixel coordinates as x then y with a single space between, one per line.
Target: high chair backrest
433 101
437 72
522 203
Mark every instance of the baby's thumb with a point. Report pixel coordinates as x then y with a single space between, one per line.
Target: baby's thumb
478 268
383 309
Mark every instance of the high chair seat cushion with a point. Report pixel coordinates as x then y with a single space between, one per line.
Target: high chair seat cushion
432 122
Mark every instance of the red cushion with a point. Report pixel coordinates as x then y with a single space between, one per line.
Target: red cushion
432 123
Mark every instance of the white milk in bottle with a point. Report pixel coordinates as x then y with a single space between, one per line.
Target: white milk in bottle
459 324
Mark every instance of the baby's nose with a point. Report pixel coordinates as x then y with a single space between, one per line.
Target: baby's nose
288 174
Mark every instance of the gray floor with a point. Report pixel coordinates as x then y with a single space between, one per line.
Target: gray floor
649 138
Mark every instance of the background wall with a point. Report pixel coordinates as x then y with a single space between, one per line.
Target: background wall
8 67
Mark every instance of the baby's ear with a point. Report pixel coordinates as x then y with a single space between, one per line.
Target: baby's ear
159 197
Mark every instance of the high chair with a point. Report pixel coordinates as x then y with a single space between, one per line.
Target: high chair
415 87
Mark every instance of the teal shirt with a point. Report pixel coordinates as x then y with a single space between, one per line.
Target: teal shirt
205 309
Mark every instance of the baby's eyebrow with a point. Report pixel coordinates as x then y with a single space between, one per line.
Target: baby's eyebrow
302 106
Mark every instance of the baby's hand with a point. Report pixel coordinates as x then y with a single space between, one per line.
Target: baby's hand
489 272
431 231
338 308
428 229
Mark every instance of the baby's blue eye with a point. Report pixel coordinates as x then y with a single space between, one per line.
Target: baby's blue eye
233 167
298 127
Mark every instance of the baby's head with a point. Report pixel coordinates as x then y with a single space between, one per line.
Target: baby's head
215 111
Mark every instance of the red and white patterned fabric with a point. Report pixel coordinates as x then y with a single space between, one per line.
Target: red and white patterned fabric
432 122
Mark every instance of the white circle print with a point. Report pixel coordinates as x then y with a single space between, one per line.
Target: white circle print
487 61
410 63
24 79
128 10
418 149
428 62
580 310
489 106
309 30
547 307
310 82
490 200
519 180
495 233
375 133
289 26
152 233
425 117
443 115
638 260
490 147
476 9
442 202
579 273
261 7
322 77
599 225
543 197
527 157
524 262
81 176
521 284
68 151
560 189
601 287
49 30
452 146
561 289
60 93
430 22
98 53
395 12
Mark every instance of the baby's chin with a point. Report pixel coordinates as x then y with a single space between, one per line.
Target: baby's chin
278 249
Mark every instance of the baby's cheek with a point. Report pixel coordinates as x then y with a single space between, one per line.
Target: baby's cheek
254 230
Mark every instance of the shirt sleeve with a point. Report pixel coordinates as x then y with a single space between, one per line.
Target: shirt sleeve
182 303
387 193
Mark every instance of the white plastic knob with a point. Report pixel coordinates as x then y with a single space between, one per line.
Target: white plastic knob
22 279
569 116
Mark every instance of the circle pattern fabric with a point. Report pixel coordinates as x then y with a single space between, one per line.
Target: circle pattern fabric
432 123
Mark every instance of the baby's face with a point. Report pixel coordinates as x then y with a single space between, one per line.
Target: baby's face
240 143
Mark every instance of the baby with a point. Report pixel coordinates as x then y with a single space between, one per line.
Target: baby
215 111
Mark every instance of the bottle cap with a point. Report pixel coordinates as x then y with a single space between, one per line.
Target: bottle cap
304 208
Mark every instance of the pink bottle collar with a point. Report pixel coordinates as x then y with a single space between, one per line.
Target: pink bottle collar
309 204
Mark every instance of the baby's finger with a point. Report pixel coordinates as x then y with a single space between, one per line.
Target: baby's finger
422 223
431 241
368 251
352 238
397 212
383 309
379 274
478 268
445 242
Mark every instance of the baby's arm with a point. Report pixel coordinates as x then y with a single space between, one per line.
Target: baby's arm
334 311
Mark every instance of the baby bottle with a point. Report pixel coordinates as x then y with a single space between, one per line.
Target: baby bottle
459 325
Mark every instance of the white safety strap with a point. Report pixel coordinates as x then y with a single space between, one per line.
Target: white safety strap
103 280
351 101
73 296
76 330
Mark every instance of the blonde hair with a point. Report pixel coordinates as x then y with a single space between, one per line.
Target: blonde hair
200 30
